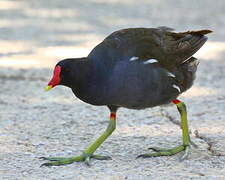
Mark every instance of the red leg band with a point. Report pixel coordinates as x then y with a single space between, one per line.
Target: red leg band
112 115
176 101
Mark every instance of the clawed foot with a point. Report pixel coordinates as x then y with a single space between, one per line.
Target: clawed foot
168 152
58 161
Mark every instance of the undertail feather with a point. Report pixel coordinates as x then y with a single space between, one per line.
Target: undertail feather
188 68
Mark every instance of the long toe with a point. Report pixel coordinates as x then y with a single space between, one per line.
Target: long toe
167 152
58 161
52 158
157 149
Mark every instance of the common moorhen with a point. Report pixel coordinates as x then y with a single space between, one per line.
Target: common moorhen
135 68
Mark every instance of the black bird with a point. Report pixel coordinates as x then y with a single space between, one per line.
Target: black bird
135 68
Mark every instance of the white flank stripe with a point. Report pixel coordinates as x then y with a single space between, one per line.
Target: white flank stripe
150 61
171 74
134 58
176 87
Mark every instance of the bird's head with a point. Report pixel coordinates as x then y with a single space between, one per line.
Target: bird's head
64 73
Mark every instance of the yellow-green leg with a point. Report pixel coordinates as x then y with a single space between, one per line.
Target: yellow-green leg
89 152
186 138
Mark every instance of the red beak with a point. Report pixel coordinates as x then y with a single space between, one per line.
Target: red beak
55 79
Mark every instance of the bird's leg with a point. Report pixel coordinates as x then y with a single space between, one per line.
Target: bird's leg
89 152
186 138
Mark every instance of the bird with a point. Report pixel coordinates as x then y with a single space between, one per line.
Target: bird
134 68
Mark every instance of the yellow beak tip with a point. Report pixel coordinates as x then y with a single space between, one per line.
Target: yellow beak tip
47 88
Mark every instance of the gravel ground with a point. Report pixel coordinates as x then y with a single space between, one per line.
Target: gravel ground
34 35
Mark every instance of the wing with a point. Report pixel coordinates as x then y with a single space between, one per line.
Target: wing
167 47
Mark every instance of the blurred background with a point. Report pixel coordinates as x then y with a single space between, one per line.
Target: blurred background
35 34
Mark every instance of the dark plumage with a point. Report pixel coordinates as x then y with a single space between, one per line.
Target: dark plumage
108 77
134 68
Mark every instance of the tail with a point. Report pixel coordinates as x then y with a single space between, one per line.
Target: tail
188 69
188 43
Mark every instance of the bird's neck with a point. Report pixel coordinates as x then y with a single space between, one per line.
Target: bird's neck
81 78
79 74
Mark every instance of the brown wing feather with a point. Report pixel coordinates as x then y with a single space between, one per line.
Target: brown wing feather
199 32
169 48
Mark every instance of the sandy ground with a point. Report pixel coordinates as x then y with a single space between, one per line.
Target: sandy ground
34 35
